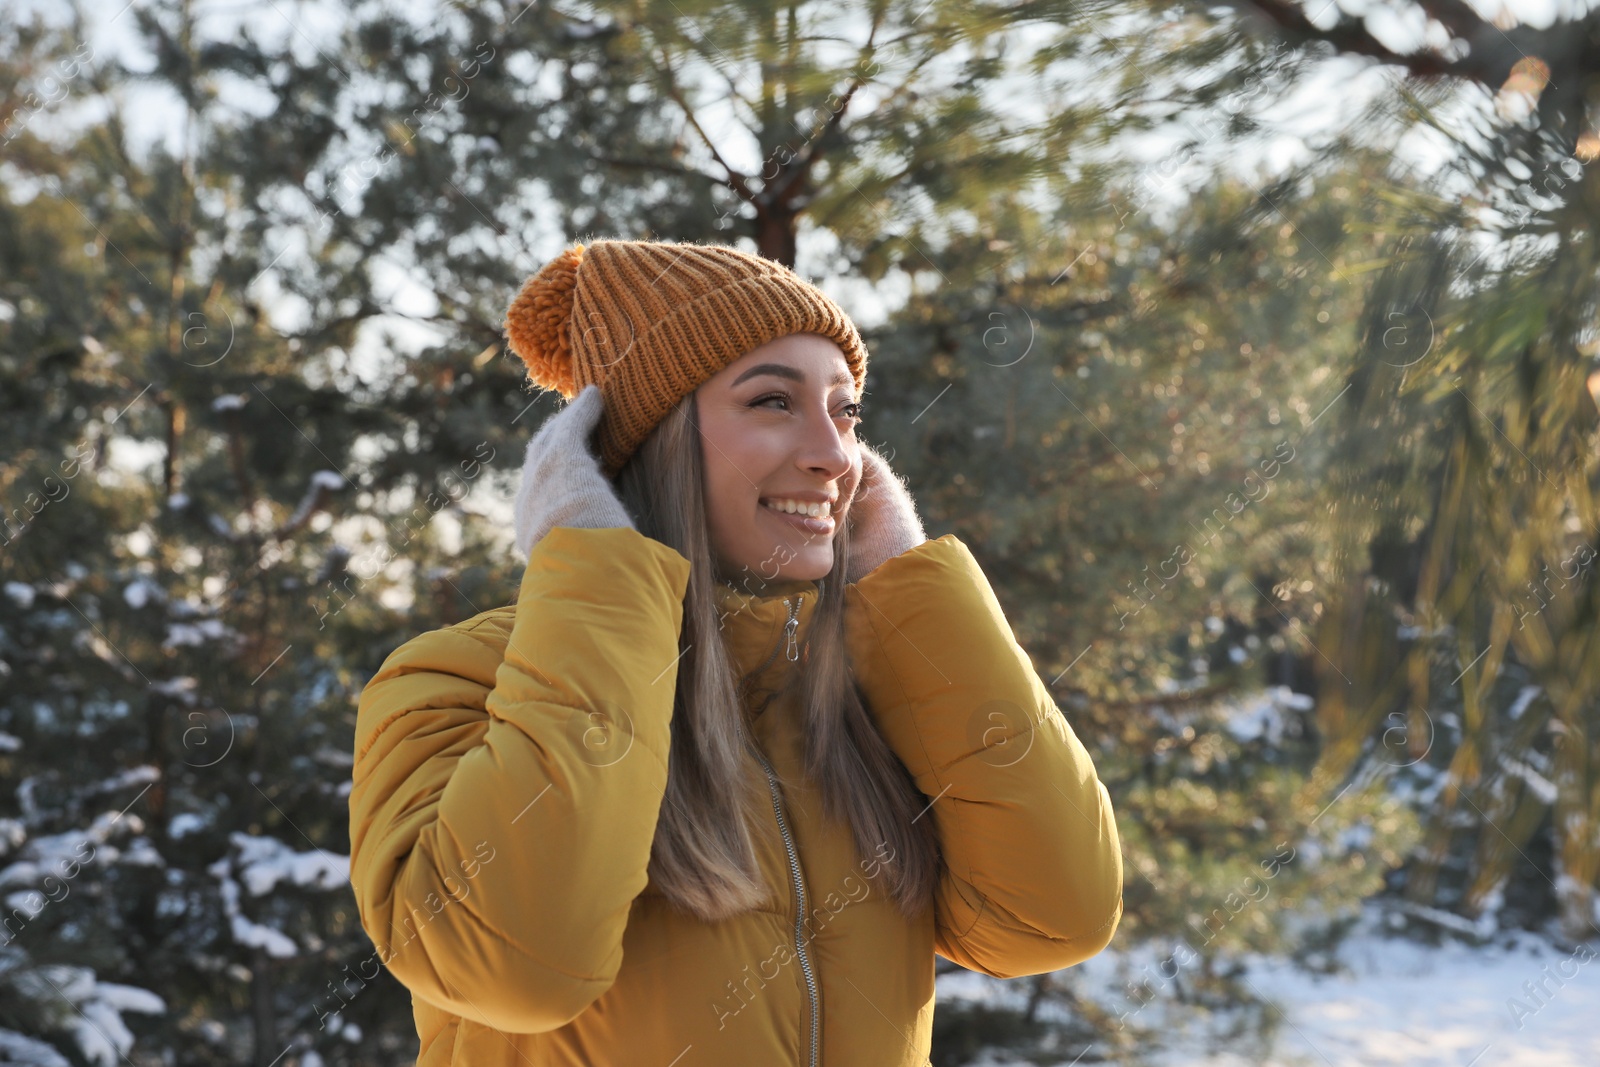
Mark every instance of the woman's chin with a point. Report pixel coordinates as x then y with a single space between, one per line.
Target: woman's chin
807 563
808 566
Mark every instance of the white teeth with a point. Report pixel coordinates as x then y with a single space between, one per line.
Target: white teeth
797 507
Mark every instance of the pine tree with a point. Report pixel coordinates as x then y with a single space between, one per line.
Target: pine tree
184 627
1464 479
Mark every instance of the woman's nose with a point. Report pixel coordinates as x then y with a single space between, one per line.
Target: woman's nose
823 448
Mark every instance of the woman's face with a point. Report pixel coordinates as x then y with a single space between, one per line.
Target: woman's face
777 427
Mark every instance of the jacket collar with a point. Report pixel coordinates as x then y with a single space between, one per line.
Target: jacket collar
753 627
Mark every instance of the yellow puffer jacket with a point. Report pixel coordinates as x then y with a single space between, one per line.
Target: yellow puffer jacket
509 773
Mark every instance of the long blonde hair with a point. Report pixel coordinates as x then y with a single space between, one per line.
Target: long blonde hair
703 859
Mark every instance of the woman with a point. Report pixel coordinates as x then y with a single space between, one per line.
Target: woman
748 750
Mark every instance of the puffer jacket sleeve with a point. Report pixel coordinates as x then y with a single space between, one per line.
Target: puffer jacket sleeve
1033 862
503 807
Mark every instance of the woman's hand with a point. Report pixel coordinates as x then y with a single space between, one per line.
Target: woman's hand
562 484
883 517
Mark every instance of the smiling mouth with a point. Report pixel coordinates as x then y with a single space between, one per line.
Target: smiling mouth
815 518
805 508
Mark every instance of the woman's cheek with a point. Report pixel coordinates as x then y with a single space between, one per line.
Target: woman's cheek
855 473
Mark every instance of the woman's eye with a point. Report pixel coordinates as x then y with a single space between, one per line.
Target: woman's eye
851 411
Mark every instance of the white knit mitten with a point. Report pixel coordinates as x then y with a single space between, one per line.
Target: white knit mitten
883 517
562 484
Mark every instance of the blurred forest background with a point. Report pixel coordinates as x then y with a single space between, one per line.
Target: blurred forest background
1250 347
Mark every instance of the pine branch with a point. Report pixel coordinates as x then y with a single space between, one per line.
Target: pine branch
1570 52
735 179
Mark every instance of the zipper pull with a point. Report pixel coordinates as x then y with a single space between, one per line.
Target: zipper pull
789 629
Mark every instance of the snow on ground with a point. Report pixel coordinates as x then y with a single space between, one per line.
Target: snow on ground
1518 1001
1427 1006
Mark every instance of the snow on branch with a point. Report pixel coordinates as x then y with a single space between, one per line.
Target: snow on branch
322 484
262 863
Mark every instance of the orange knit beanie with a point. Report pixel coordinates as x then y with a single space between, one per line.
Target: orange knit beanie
648 321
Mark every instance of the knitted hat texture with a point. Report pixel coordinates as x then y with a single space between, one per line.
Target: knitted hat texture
648 321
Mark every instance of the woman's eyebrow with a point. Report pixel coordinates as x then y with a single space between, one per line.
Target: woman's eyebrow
794 374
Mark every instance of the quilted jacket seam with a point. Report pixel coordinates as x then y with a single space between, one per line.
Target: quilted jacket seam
509 941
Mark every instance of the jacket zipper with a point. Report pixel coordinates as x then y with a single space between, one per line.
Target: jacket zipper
789 639
789 629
